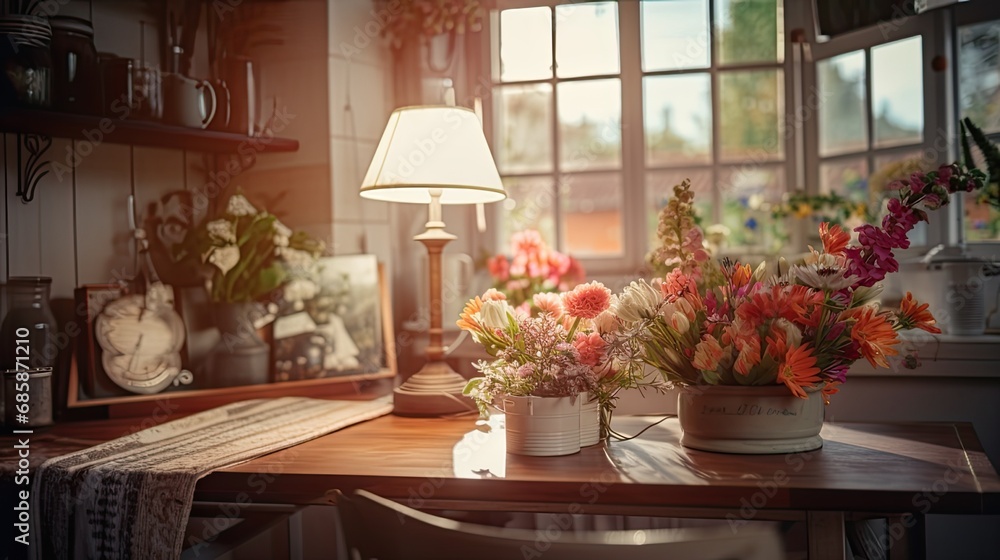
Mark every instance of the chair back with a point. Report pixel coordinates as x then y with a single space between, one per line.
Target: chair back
375 527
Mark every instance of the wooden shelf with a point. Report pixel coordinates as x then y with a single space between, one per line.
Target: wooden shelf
139 133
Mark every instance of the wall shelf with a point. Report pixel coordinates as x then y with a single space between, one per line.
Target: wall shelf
139 133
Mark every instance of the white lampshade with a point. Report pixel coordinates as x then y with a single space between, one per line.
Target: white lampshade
433 147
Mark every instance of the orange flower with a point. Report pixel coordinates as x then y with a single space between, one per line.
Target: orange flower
466 322
749 354
874 335
798 370
834 238
830 389
916 316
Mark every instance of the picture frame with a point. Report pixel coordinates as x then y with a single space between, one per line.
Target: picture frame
81 390
337 331
90 300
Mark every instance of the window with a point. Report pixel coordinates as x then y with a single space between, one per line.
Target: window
600 108
871 122
557 126
979 100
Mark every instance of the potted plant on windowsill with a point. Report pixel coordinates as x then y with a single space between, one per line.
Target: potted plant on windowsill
756 354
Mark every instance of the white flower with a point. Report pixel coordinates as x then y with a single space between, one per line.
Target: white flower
300 289
607 322
494 314
639 300
281 234
225 258
221 230
679 322
240 206
826 273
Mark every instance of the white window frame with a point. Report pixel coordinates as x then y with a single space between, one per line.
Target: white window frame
634 168
959 16
937 142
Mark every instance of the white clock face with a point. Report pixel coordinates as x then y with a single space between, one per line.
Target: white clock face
141 345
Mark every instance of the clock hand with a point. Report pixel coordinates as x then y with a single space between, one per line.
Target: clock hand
135 354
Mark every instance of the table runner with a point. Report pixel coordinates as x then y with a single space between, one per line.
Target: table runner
131 497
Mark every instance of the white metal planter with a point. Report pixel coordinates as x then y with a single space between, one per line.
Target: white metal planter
542 426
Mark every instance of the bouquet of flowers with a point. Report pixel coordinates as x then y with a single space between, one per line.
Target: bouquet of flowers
557 352
251 253
532 269
802 327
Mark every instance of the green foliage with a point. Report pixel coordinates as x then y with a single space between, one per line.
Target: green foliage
990 153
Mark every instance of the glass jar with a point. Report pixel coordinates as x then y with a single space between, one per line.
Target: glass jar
75 70
25 62
27 334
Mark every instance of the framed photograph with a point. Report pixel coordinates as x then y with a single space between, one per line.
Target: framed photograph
339 330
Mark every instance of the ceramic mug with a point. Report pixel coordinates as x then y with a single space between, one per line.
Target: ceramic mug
184 101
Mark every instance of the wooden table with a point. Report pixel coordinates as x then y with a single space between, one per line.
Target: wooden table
898 471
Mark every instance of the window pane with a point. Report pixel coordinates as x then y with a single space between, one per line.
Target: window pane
530 204
674 35
898 92
982 222
660 189
678 119
979 74
586 39
843 122
849 179
748 193
752 108
523 128
590 124
591 207
749 30
525 44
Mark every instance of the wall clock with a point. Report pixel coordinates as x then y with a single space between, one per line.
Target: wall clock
141 337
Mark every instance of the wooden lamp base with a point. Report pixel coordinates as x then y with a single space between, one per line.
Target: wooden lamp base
435 390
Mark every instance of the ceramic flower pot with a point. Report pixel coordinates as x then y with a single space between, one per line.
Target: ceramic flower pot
750 420
590 421
240 357
542 426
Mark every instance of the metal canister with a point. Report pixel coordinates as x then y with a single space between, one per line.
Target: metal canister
27 398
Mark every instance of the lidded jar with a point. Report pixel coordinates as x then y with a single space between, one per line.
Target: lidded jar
27 334
75 71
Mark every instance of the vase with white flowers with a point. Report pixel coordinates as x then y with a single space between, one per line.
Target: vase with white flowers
248 256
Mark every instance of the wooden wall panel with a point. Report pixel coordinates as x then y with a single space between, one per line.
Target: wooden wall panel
57 235
22 221
102 234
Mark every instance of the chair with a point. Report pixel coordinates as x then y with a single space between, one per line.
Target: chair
375 527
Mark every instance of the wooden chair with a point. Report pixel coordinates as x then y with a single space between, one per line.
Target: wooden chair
374 527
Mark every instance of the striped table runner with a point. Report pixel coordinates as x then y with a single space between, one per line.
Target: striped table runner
131 497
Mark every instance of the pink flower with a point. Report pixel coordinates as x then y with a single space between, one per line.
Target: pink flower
493 295
587 301
548 302
591 348
499 268
527 243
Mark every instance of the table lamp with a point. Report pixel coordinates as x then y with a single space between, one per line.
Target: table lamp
433 155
